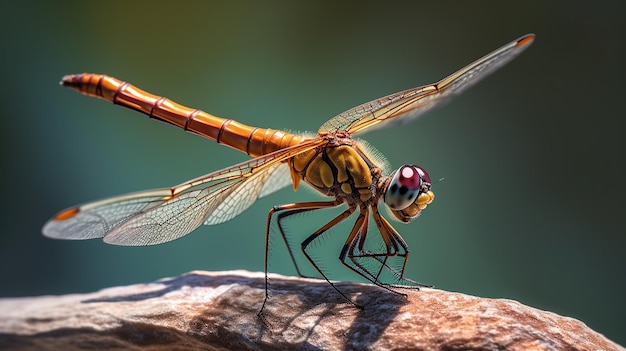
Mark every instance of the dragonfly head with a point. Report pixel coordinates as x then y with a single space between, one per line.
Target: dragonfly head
408 192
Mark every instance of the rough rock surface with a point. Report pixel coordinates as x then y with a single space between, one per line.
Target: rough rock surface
218 311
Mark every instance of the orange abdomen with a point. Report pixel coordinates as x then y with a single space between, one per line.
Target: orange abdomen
253 141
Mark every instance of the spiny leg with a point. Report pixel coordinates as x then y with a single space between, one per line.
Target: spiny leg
291 210
360 240
357 236
394 246
392 235
393 242
345 214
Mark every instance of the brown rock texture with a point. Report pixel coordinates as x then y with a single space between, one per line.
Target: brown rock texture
218 311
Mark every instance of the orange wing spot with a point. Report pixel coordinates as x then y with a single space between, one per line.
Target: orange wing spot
526 40
67 214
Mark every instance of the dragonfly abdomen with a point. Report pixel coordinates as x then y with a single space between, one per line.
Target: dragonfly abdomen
251 140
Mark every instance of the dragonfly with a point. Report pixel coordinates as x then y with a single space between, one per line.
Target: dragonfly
334 163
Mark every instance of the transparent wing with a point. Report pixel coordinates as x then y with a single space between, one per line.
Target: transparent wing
96 219
280 179
157 216
248 192
404 106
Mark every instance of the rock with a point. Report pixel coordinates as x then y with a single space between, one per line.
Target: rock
218 311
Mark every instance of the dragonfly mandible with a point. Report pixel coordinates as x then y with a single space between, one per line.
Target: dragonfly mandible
332 163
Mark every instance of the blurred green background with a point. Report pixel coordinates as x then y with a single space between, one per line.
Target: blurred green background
531 206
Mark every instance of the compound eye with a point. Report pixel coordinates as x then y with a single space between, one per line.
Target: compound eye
423 175
405 186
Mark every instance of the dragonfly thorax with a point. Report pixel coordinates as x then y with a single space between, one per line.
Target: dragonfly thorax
340 169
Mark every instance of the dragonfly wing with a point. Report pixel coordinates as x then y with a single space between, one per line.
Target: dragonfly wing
96 219
211 199
406 105
261 184
171 220
281 177
158 216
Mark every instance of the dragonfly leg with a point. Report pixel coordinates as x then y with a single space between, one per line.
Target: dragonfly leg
353 254
302 207
353 249
289 209
400 248
345 214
